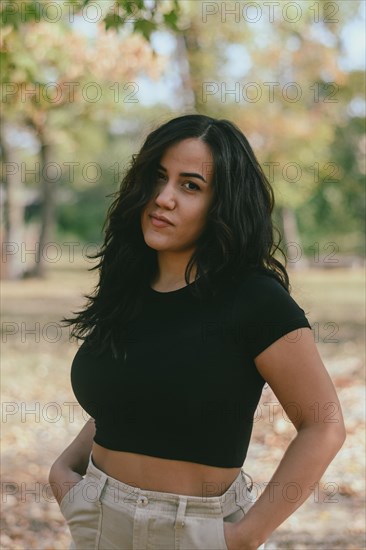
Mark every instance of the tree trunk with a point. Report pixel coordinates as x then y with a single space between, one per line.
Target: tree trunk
186 93
46 233
12 230
292 245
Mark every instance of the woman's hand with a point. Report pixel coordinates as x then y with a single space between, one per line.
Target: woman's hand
62 479
70 467
234 539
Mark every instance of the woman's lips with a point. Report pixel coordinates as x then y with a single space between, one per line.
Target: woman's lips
159 223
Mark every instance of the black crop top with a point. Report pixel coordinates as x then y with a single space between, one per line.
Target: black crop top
187 387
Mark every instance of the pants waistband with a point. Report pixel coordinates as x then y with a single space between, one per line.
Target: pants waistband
238 494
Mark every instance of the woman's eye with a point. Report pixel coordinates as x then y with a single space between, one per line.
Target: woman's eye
191 183
164 177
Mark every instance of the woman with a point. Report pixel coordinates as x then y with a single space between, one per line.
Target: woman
191 316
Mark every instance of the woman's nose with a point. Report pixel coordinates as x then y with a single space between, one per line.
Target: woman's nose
165 196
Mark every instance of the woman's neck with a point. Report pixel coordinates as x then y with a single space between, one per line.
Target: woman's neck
171 275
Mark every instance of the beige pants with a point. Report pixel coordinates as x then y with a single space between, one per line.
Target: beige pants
103 513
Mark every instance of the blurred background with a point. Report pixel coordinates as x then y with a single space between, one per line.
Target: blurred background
83 82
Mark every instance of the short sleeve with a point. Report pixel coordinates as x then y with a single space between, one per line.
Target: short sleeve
264 312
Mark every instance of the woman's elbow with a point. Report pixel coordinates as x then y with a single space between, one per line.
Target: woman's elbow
335 435
329 435
341 434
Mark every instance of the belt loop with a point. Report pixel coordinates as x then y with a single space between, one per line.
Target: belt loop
90 460
101 484
244 474
179 521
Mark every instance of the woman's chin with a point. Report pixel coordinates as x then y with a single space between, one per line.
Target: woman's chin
158 245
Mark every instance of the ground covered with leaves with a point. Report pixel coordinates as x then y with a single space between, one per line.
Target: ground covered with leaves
40 415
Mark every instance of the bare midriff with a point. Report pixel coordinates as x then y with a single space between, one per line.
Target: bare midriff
163 475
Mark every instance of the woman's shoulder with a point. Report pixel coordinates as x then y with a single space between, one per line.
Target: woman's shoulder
258 279
264 308
260 292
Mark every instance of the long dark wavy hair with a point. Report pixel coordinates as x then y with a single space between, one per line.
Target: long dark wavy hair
238 235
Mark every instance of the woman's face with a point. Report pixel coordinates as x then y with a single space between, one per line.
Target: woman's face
183 194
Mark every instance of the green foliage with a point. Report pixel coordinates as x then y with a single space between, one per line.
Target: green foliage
15 13
113 21
336 209
146 17
171 19
145 27
84 215
12 15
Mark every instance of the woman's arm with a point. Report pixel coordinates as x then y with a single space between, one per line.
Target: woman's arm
71 465
293 368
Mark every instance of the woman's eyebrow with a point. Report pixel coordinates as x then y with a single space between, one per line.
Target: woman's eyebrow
186 174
